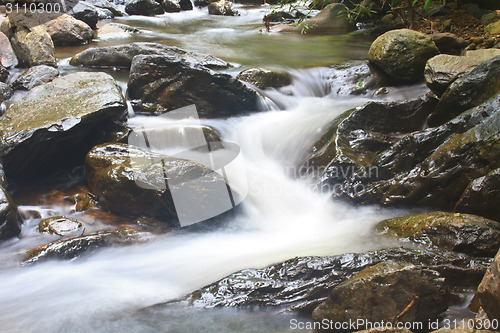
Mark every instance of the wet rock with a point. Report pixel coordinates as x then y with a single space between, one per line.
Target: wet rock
186 4
279 16
360 134
301 284
110 6
143 7
482 196
59 225
10 222
465 233
67 30
29 39
73 248
402 54
442 70
447 43
131 181
482 83
121 56
266 78
8 58
222 7
4 74
58 123
5 92
489 290
86 12
328 21
162 83
171 6
35 76
112 30
381 293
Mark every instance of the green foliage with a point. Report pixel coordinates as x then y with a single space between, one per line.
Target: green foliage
359 11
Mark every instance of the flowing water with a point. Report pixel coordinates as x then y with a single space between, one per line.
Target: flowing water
282 217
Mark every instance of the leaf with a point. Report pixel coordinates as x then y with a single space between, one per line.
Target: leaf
427 4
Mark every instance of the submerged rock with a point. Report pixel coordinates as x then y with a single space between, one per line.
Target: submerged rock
482 196
8 58
59 225
266 78
10 223
143 7
489 290
463 233
222 7
35 76
380 294
402 54
479 85
442 70
72 248
58 122
132 181
354 78
162 83
301 284
121 56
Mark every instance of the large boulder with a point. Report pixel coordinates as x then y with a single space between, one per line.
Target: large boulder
489 290
67 30
382 293
143 7
402 54
476 87
29 38
35 76
222 7
301 284
442 70
58 123
464 233
7 56
482 196
10 222
266 78
162 83
329 20
121 56
136 182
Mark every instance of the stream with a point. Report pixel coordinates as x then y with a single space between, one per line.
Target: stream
281 218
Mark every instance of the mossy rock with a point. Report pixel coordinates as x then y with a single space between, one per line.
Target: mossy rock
402 54
459 232
266 78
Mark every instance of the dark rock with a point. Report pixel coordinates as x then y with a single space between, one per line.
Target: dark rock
482 196
8 58
279 16
121 56
67 30
59 225
35 76
489 290
29 39
303 283
58 123
87 13
143 7
442 70
482 83
73 248
474 10
5 92
186 4
447 43
381 292
10 222
132 181
4 74
171 6
469 234
162 83
402 54
222 7
266 78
